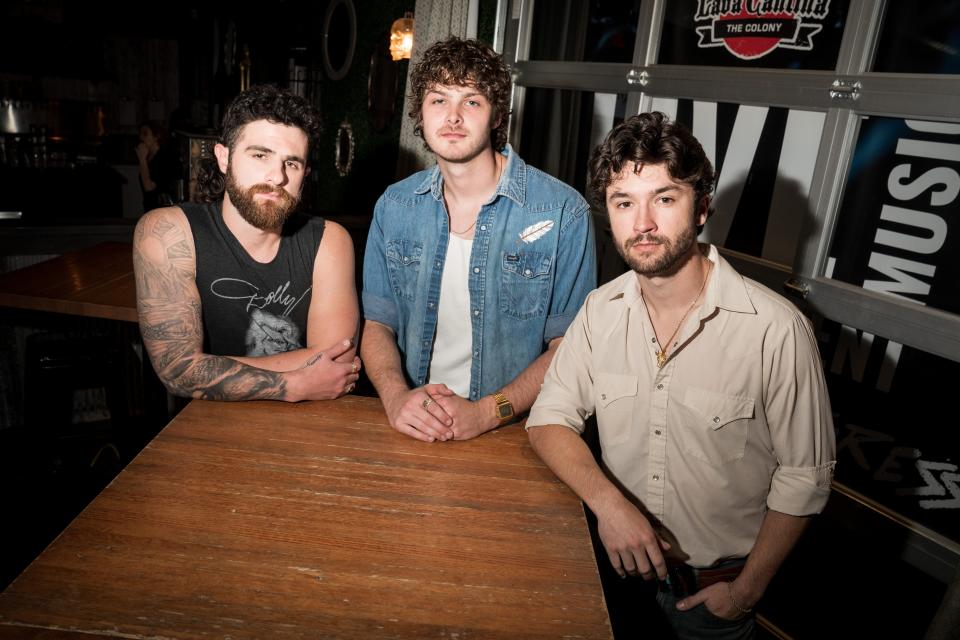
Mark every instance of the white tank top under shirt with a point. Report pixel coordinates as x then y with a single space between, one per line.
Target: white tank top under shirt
453 344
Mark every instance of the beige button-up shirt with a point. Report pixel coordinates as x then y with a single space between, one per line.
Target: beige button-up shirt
737 421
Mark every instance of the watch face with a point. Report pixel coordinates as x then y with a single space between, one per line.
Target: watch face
504 410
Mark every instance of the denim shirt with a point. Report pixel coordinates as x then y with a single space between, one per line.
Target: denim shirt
532 265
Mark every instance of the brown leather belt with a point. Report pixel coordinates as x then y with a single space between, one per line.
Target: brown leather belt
684 580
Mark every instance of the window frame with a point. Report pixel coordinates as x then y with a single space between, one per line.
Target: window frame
844 95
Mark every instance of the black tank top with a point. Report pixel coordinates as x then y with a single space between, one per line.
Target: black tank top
251 308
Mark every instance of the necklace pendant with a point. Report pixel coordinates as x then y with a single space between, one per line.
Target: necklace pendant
661 358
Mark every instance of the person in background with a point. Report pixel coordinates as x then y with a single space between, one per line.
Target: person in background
159 167
241 298
715 428
473 268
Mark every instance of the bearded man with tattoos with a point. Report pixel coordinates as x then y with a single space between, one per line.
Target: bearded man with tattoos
240 298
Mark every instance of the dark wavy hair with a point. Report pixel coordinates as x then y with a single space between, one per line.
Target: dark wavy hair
649 138
262 102
459 62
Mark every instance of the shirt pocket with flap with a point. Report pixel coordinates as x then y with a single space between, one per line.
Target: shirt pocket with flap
403 265
713 425
616 397
525 284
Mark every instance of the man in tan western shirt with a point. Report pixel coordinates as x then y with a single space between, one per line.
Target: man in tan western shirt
714 421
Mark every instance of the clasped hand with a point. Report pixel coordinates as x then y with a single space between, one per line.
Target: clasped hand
434 412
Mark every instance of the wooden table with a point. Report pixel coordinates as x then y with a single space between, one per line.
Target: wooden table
95 282
317 520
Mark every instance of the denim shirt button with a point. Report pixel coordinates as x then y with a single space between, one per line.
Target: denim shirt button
483 227
476 312
476 269
430 305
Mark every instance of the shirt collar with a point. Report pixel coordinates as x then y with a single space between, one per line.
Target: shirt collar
725 289
512 184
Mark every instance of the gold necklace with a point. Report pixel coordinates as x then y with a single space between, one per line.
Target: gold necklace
500 164
662 353
460 233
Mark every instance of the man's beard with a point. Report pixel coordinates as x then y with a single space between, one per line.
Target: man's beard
266 214
672 257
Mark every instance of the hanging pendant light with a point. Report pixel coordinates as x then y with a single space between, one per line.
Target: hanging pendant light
401 37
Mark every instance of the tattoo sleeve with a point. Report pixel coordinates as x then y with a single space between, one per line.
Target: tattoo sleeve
168 306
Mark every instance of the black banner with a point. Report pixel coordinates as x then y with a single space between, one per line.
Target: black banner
896 441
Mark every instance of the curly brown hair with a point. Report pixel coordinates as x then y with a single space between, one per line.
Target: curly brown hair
460 62
649 138
262 102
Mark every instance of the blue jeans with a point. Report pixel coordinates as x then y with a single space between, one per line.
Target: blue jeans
699 622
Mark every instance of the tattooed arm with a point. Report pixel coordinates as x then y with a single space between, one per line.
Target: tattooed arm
168 305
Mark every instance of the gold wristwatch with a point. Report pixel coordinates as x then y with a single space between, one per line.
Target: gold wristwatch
504 408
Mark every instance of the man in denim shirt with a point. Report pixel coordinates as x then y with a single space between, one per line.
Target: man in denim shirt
474 268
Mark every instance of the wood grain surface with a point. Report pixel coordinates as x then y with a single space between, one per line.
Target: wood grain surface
95 282
317 520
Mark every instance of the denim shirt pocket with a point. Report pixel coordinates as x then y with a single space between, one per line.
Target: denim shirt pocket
525 283
715 425
403 264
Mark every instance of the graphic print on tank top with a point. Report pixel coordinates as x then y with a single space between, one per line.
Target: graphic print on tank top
270 330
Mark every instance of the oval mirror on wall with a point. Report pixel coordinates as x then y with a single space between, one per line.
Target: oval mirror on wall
339 38
343 157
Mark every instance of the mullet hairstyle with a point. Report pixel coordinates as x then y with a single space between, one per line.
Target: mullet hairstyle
649 138
470 63
262 102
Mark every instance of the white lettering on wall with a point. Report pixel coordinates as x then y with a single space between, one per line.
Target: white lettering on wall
936 225
897 269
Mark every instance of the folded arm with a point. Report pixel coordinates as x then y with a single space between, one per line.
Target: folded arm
169 309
